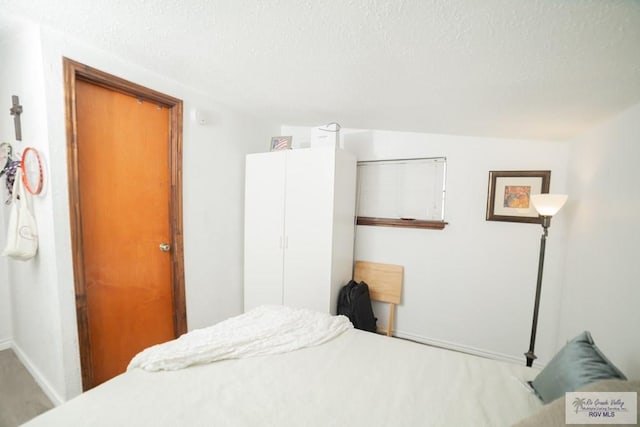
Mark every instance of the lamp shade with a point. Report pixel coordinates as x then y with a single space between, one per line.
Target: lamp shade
548 204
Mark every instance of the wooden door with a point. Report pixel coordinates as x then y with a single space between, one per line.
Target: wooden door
263 229
129 289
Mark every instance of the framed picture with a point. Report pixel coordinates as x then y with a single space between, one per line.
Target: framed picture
280 143
509 195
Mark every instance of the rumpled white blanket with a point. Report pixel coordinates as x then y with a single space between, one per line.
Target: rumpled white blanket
261 331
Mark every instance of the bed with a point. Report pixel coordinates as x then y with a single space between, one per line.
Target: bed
355 378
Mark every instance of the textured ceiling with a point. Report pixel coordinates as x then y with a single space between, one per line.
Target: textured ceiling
507 68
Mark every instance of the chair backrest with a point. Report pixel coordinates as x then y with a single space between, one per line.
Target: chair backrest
385 285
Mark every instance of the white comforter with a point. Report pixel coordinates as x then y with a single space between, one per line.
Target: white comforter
357 379
261 331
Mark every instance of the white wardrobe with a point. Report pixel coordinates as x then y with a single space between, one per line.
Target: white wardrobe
299 227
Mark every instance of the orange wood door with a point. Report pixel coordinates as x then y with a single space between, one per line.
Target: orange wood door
124 190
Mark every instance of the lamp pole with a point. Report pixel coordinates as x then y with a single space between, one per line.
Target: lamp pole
530 355
547 205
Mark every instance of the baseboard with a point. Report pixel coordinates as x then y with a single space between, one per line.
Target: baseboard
465 349
55 398
5 344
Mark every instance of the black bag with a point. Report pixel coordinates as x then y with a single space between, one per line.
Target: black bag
355 303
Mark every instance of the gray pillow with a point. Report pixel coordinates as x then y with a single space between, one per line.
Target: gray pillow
579 363
553 415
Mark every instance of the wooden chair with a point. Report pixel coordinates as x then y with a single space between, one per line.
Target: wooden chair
385 285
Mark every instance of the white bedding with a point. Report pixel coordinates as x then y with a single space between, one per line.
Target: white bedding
355 379
269 329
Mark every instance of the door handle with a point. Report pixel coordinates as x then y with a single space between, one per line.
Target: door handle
165 247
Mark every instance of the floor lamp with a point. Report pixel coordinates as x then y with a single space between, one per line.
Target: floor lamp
547 205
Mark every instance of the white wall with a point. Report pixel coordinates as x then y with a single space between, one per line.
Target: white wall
33 292
9 82
43 305
602 285
472 285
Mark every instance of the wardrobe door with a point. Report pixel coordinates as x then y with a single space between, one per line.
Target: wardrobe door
308 228
263 231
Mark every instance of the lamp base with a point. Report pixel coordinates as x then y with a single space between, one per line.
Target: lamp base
530 357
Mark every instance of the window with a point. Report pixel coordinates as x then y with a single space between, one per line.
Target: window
402 193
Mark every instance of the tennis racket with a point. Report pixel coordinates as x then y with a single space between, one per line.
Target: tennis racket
32 174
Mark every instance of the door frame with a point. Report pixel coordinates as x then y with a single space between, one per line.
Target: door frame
74 71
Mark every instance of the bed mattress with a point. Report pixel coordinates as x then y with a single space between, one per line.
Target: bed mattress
356 379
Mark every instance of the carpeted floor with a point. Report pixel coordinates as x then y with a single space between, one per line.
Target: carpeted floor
20 397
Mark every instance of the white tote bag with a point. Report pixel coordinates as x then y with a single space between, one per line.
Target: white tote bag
22 234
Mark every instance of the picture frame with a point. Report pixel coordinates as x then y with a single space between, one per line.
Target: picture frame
509 195
280 143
